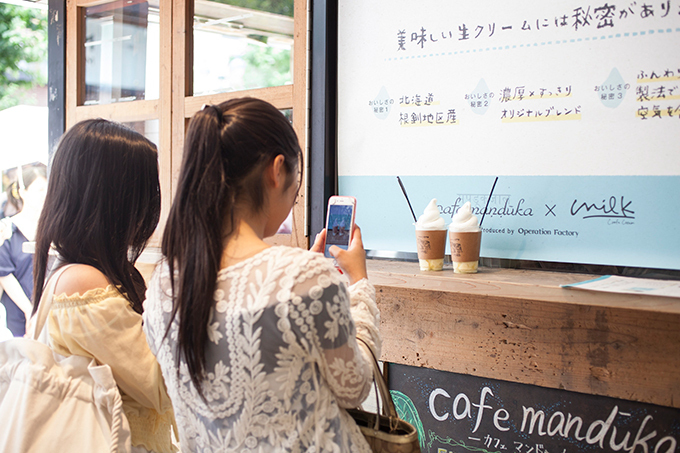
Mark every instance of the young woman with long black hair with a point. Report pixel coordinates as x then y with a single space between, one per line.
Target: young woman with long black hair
258 344
101 208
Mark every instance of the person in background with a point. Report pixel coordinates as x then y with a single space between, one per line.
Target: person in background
261 347
16 267
9 206
101 208
5 333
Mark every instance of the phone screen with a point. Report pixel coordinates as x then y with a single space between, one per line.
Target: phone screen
339 228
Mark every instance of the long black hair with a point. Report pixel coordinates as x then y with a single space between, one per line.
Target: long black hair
102 205
227 149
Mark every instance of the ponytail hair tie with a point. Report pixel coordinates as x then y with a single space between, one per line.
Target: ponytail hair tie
217 111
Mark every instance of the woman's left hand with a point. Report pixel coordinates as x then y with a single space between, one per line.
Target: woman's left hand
319 242
352 261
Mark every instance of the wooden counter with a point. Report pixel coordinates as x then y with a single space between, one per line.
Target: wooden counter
520 326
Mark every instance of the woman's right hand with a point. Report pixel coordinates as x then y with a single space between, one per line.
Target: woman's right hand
353 260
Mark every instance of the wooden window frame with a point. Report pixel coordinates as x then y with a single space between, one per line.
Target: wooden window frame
176 104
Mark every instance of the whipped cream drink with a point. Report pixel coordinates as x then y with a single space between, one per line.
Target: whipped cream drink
464 220
431 219
465 236
431 238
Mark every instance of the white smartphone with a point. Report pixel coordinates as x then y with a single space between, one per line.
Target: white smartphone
339 222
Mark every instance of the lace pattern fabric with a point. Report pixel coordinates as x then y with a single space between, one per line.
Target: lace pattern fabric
282 357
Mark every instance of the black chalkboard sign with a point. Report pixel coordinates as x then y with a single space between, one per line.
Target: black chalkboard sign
459 413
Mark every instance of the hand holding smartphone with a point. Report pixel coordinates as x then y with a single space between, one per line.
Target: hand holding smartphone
339 222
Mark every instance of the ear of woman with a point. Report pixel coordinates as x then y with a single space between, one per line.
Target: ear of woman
277 173
280 195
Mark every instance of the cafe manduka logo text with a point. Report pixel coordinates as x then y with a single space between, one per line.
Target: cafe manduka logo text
496 206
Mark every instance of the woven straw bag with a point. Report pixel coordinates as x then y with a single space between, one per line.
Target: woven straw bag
386 432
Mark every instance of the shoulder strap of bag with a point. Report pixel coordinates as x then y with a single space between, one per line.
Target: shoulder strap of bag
388 408
40 316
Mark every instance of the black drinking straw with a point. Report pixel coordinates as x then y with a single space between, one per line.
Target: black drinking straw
487 201
407 200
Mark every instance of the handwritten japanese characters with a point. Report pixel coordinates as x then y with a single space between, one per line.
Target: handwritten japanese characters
577 20
551 113
412 115
658 92
612 91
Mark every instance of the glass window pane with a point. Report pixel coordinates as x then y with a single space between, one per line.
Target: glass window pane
122 52
149 129
242 44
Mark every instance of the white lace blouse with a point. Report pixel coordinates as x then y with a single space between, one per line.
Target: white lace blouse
282 357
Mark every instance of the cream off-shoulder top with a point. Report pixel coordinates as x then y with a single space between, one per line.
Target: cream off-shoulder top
102 324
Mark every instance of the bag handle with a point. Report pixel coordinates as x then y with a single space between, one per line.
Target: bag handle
40 318
388 408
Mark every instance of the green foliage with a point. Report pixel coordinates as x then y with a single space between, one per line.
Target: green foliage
13 94
267 67
23 39
284 7
407 411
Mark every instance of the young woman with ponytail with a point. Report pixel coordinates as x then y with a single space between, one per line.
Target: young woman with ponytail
258 344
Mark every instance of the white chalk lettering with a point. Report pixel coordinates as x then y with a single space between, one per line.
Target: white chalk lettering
670 439
536 416
603 428
462 408
560 426
482 406
601 432
571 422
642 442
501 415
467 410
433 395
612 441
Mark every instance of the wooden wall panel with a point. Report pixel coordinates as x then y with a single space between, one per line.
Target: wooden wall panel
73 72
165 116
182 78
280 97
300 235
520 326
120 111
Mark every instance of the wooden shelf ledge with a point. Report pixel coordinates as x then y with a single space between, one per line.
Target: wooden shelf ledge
520 326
